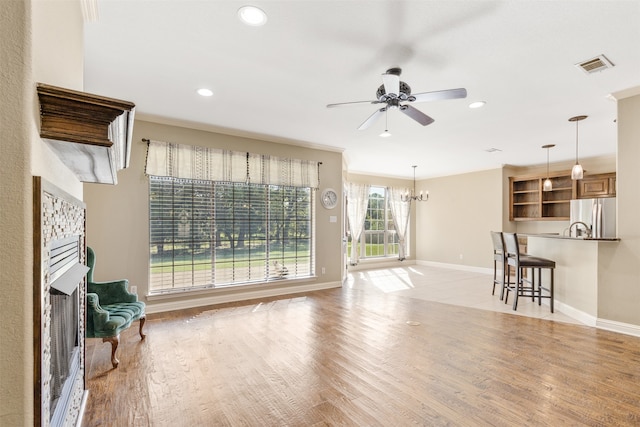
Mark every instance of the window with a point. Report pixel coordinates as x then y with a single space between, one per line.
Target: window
206 234
379 238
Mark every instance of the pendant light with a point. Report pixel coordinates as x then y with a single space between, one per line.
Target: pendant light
386 132
577 171
547 186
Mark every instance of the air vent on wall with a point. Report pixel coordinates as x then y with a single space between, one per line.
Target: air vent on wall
594 65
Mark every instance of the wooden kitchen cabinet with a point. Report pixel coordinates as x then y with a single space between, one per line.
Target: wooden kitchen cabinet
527 201
600 185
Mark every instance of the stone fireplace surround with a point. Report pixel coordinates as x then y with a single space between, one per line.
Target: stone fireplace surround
57 216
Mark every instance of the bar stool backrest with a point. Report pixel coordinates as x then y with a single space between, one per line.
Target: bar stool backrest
498 243
512 248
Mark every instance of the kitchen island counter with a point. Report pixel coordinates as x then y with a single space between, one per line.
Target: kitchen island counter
578 274
560 236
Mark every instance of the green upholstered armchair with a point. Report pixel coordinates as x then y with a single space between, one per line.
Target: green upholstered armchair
111 309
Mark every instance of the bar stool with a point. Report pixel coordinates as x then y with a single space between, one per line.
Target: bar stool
499 258
521 262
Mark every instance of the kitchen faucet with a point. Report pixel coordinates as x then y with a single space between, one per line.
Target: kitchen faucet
586 227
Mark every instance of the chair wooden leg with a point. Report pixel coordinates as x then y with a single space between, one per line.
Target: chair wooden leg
142 320
506 285
495 275
502 287
114 346
533 283
551 288
539 287
518 285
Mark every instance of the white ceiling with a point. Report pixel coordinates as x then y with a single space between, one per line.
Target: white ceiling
273 82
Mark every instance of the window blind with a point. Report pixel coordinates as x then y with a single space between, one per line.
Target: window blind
216 234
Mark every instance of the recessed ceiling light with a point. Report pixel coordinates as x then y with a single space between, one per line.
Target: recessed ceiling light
252 15
477 104
205 92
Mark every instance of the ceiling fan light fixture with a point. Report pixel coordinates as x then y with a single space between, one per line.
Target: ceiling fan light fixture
395 94
385 134
477 104
252 16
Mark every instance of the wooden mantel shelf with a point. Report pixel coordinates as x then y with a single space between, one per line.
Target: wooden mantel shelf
90 133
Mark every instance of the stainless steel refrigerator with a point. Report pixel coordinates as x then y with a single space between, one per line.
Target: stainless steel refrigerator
599 214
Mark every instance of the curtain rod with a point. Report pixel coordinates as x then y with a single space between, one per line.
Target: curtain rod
147 140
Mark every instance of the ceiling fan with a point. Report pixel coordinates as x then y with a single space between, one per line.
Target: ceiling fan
394 94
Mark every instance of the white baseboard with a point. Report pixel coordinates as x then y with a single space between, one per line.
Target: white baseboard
615 326
471 268
212 297
580 316
593 321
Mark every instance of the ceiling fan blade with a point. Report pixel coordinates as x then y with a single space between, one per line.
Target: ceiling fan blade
391 84
372 118
416 115
339 104
439 95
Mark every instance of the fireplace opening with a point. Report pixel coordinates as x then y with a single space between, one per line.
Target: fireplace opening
65 353
66 275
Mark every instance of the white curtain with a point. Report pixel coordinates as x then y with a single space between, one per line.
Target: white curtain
401 212
357 201
213 164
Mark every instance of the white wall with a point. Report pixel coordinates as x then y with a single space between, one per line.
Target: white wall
16 357
453 226
27 30
619 294
57 30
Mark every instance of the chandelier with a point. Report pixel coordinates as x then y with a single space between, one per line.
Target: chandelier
406 197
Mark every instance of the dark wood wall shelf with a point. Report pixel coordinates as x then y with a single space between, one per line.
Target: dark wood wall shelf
90 133
528 202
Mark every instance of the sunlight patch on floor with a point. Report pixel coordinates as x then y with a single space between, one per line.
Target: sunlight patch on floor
448 286
388 280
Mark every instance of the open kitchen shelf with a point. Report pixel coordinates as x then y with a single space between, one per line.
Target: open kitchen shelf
529 203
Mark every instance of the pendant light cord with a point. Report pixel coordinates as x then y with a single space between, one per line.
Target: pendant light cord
577 141
548 162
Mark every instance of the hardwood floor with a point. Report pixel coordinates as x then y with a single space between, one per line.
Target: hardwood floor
348 357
